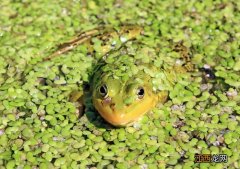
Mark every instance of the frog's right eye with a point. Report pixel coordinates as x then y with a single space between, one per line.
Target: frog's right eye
103 91
140 92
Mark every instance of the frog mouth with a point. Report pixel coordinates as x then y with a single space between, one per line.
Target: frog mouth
124 116
118 117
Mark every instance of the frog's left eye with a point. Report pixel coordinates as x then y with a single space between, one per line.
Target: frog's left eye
140 92
103 90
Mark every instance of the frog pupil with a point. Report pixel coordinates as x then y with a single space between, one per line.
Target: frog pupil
140 93
103 90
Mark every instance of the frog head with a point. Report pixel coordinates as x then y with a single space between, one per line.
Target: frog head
122 101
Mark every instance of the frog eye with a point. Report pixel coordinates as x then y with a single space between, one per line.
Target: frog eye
140 92
103 90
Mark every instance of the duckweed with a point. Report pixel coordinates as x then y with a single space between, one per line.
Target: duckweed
40 127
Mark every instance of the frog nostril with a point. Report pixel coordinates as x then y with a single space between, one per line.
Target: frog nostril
112 105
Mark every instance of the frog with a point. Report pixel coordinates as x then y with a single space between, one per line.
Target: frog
122 86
